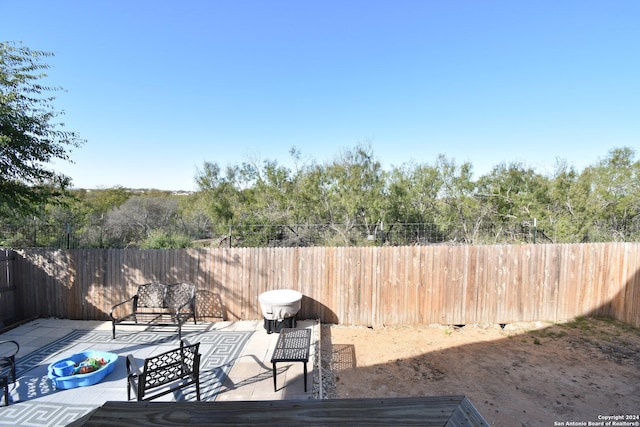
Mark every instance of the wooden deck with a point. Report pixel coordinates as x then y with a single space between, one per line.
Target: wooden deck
448 411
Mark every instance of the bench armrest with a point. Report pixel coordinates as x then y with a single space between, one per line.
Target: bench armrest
133 300
132 367
180 308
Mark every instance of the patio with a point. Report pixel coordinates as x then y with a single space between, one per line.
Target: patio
235 366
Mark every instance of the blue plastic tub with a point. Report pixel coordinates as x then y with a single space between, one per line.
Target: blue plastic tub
63 368
80 380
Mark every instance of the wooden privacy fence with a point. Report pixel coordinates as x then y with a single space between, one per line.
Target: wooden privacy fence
348 285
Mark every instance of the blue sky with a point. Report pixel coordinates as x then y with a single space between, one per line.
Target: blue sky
158 87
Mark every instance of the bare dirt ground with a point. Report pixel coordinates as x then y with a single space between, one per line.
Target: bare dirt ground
533 374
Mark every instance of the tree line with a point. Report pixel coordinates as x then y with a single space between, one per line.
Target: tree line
351 200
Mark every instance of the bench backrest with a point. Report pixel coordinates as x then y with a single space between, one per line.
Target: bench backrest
151 295
179 294
171 366
159 295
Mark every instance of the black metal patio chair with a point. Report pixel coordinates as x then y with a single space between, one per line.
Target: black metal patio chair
8 351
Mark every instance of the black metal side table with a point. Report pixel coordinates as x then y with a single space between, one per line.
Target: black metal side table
292 346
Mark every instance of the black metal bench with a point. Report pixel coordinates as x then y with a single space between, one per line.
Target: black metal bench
292 346
157 304
175 369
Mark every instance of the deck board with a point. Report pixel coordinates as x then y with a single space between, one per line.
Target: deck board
444 411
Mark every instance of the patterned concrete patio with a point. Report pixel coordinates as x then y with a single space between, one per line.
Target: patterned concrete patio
235 366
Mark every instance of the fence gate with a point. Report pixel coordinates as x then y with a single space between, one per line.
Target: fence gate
7 289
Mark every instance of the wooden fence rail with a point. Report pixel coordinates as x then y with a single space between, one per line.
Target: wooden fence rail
348 285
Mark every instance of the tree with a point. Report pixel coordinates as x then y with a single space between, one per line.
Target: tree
30 136
140 218
221 190
566 209
516 195
353 192
413 190
613 185
412 204
101 201
458 201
